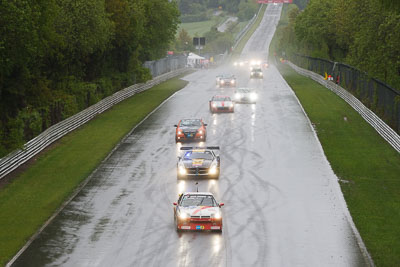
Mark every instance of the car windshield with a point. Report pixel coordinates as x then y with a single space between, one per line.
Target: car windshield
222 98
198 200
198 155
190 123
257 70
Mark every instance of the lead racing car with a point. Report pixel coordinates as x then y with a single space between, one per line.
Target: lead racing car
198 162
197 211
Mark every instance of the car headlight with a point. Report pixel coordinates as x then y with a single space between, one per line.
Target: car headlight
237 96
182 170
179 132
217 215
214 105
183 216
251 73
200 132
235 64
233 81
253 96
222 81
213 168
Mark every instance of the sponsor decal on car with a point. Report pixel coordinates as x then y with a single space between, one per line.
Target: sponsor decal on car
197 162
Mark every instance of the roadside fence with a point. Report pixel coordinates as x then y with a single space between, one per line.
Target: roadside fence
375 94
377 123
15 159
164 65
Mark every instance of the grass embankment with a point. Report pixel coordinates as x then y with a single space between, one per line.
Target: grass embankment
197 29
35 194
249 33
369 168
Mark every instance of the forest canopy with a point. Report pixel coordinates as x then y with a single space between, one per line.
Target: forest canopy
364 34
58 57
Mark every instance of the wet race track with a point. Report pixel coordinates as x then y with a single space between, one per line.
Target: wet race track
283 205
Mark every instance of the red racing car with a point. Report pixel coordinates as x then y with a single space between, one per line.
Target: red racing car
221 104
197 211
190 130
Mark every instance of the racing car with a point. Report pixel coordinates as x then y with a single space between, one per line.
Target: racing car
227 81
198 162
190 130
256 72
245 95
221 104
197 211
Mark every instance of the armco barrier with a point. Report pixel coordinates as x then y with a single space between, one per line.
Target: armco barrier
15 159
246 28
380 126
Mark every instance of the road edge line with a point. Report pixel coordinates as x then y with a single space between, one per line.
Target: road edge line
339 193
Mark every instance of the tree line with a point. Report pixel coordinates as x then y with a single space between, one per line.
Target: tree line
58 57
364 34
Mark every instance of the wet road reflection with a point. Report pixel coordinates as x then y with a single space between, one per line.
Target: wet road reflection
283 206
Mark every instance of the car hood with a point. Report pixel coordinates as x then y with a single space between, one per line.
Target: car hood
199 163
199 210
222 103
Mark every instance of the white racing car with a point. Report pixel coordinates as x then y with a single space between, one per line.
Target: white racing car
246 95
197 211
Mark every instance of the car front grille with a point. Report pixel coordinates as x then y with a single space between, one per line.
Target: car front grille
190 134
197 171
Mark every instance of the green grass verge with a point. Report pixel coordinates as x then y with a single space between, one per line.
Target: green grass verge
369 168
35 194
197 28
249 33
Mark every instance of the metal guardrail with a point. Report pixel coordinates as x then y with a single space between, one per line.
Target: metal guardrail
246 28
15 159
164 65
378 96
379 125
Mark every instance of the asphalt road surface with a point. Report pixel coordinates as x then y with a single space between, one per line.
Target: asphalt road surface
283 205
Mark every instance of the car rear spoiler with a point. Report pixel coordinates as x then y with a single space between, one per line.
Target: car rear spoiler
199 147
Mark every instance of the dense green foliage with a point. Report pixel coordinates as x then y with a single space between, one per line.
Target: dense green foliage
36 193
364 34
58 57
199 10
